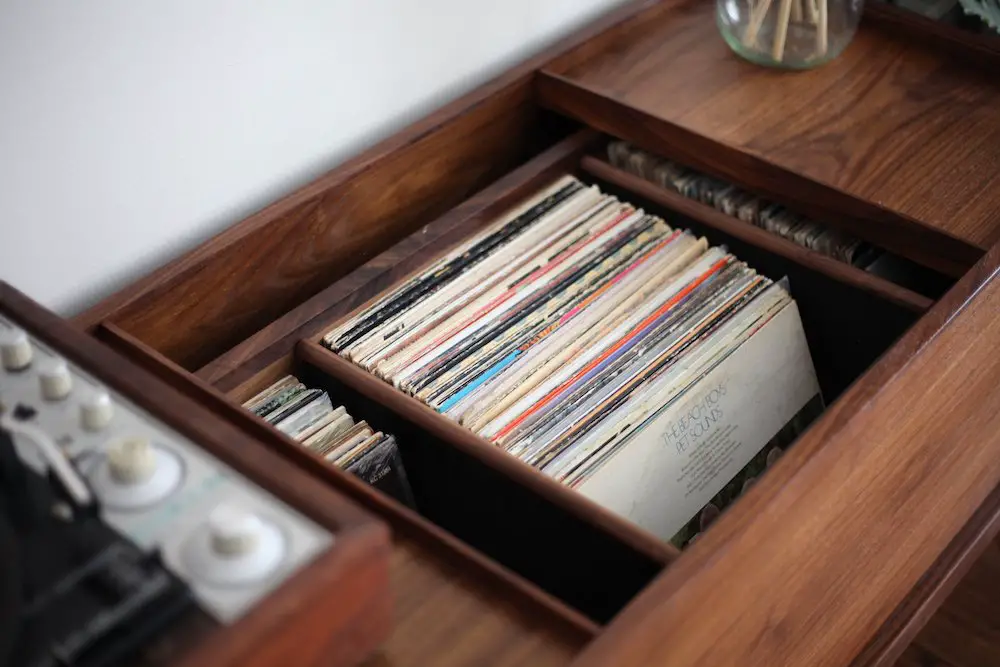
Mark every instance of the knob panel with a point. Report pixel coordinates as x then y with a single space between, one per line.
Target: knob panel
153 484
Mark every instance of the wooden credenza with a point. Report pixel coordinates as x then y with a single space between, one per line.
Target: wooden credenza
871 543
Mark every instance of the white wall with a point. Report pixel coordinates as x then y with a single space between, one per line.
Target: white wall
132 130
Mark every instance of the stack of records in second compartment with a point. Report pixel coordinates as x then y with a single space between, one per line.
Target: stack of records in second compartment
309 416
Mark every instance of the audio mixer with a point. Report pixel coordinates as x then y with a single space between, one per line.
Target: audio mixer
138 528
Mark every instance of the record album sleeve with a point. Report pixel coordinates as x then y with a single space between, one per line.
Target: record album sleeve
382 468
672 468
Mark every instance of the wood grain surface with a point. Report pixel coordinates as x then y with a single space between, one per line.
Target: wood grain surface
712 217
968 549
977 48
446 618
965 631
806 568
891 126
332 612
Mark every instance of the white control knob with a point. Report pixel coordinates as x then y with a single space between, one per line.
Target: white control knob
15 349
234 532
131 460
136 473
55 379
96 410
234 547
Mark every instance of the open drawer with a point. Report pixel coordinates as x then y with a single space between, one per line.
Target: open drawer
494 503
844 549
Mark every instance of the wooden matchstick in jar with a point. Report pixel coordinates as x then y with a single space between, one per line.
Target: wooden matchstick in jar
781 30
821 29
811 12
758 12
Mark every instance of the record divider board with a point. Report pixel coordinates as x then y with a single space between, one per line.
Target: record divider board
414 214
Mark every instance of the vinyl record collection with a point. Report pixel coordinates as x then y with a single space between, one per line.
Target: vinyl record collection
566 328
739 203
308 416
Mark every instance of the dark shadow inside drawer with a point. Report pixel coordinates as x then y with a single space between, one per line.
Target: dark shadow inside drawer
563 554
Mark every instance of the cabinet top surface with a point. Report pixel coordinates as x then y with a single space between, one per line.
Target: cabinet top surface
892 121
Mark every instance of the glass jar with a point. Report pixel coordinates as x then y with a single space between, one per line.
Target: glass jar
794 34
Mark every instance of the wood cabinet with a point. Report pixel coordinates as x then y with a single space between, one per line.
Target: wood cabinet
865 545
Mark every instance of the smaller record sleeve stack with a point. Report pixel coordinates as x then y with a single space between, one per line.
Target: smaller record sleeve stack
309 417
621 357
